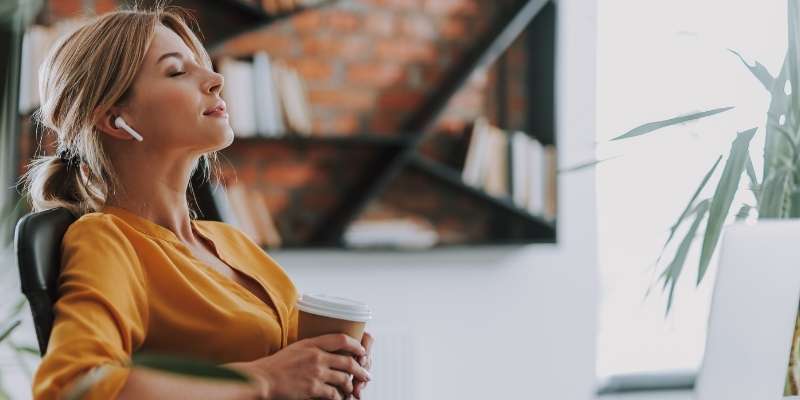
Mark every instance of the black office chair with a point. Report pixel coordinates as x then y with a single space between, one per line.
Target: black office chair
37 240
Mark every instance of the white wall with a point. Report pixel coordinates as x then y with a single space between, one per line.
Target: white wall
491 323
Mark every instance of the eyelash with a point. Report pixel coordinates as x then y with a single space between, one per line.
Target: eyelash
177 73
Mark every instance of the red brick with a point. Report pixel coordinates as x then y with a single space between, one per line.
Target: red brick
405 51
65 8
417 26
266 40
308 21
375 73
104 6
396 4
312 69
451 125
385 122
336 47
400 100
464 7
345 124
290 175
276 200
350 99
318 200
453 28
380 24
343 21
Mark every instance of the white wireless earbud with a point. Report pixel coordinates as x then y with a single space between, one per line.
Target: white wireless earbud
120 123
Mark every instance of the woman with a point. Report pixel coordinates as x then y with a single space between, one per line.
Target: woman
138 272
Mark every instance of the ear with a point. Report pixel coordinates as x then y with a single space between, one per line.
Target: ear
105 124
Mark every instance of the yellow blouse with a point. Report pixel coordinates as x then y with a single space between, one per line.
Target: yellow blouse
128 284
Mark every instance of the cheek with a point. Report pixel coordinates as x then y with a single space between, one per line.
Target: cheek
170 101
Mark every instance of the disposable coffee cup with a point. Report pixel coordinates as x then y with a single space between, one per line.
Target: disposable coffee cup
321 314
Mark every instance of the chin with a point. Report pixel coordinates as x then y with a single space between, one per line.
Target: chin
225 140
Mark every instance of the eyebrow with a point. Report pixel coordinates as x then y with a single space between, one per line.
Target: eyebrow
173 54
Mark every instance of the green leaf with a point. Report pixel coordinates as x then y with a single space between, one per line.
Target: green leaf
794 55
744 212
585 165
676 266
19 306
774 192
186 366
7 330
723 197
751 175
27 349
775 147
688 210
652 126
758 70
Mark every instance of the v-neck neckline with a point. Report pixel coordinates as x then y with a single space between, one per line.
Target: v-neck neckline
155 230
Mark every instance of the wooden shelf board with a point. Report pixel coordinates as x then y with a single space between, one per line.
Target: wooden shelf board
333 140
453 178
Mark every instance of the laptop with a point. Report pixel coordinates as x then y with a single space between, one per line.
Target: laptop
753 317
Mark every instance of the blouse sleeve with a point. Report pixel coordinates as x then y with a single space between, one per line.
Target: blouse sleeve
293 320
101 314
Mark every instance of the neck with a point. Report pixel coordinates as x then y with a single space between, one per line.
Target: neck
155 191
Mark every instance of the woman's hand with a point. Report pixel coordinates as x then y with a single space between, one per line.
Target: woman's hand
366 362
309 368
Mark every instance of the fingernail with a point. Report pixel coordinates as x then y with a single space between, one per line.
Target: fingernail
362 360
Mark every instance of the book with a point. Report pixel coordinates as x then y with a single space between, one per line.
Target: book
263 221
496 177
269 115
536 181
551 182
474 169
240 204
238 95
519 168
293 98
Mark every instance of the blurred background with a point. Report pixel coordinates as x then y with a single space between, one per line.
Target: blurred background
449 162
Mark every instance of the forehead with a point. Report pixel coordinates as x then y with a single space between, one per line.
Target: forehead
166 40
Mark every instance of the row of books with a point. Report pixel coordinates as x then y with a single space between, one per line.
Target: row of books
36 42
247 210
384 226
264 98
512 164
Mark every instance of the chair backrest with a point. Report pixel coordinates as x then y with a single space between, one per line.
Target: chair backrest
37 240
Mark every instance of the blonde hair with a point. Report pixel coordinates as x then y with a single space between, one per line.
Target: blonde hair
87 72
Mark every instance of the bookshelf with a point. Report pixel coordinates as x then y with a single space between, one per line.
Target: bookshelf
399 153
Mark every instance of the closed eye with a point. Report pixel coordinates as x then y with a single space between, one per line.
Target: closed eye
176 73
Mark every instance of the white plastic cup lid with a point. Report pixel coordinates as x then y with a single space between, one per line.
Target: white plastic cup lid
334 307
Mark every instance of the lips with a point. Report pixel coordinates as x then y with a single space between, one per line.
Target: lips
217 107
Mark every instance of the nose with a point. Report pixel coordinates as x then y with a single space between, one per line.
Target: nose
214 83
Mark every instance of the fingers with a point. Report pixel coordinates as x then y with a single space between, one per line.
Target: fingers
340 379
328 392
337 342
367 341
349 365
